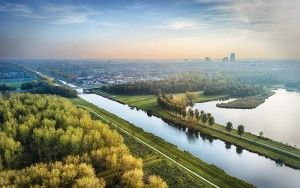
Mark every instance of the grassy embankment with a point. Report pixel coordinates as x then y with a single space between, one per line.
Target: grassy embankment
154 163
272 149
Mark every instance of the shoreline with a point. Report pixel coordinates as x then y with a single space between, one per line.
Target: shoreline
249 144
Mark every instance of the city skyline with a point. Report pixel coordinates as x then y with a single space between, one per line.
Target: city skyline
149 29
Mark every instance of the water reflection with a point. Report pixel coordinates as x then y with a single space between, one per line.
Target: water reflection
239 150
227 145
277 118
245 165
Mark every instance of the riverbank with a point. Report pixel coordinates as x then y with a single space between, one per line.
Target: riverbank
157 164
279 152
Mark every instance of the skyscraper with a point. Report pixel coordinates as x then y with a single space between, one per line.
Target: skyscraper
232 57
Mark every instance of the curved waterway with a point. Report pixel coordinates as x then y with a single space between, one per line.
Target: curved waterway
277 117
255 169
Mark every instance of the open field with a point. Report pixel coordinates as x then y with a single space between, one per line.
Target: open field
159 164
277 151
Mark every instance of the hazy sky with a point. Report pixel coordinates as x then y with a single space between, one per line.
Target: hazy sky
150 29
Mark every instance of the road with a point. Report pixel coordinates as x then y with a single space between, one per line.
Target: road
156 150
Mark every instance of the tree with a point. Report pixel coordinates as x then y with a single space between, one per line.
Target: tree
156 182
202 113
37 130
241 130
261 134
211 120
183 113
133 179
191 112
229 127
204 118
208 115
197 114
4 88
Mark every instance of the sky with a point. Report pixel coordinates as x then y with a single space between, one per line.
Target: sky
158 29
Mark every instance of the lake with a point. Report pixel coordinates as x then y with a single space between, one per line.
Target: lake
242 164
277 117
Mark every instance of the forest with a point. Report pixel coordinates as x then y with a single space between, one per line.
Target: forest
47 141
186 82
4 88
46 87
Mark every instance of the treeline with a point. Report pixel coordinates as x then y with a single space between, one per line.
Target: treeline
5 88
179 108
231 88
44 87
168 102
190 116
185 82
179 83
46 141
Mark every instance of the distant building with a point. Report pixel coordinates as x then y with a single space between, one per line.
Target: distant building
225 59
207 59
232 57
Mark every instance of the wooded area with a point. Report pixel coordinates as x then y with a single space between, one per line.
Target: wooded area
185 82
44 87
47 141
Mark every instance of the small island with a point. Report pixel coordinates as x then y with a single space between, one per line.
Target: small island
244 103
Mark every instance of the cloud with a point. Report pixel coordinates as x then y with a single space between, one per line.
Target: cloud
16 9
112 24
137 5
53 13
181 24
67 14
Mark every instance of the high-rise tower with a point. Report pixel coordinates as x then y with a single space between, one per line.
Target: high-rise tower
232 57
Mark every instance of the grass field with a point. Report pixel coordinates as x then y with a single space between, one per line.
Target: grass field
154 163
264 146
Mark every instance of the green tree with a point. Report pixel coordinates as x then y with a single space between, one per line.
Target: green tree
204 118
211 120
229 127
202 113
208 115
197 114
241 130
191 112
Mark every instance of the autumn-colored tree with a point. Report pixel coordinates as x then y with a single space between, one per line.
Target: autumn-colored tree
37 130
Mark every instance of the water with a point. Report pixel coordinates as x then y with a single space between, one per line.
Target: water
248 166
277 117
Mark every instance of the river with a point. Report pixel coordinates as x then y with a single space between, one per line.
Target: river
245 165
277 117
